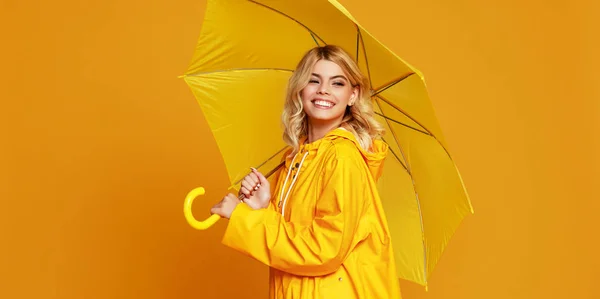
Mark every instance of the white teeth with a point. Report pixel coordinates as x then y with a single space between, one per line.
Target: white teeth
324 103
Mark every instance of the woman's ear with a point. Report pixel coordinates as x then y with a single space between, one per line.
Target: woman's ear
353 97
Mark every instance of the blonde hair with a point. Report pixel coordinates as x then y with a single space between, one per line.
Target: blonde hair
358 118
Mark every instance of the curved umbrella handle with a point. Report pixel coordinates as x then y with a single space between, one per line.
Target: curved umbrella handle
187 211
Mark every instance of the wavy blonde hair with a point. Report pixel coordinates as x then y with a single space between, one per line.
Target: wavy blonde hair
358 118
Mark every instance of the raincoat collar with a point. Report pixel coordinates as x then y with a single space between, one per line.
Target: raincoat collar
374 158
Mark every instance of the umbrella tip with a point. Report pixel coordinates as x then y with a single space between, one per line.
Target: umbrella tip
181 76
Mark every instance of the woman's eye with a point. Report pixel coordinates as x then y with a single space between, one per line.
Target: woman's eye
338 83
313 81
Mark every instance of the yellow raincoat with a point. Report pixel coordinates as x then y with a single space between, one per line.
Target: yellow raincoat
329 237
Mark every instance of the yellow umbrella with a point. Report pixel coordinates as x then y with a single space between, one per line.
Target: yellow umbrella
246 52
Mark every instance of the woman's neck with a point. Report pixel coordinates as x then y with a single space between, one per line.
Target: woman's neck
318 131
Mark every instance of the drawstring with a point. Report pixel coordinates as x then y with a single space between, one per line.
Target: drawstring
287 194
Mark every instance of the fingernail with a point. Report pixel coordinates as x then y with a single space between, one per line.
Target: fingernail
252 168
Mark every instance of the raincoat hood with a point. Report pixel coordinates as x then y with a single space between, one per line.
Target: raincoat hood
374 157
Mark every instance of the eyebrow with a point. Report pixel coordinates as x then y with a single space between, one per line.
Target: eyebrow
332 77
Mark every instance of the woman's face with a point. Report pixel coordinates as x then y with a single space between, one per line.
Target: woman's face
327 94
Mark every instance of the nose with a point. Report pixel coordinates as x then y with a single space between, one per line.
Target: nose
323 89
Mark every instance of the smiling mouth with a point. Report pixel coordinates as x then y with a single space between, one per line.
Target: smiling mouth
323 104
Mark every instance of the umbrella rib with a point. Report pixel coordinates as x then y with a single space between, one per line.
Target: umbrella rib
401 123
391 83
362 43
240 69
405 114
314 39
312 33
422 234
417 122
357 42
265 162
396 139
396 155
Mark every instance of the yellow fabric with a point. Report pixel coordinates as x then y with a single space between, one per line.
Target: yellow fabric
334 241
245 55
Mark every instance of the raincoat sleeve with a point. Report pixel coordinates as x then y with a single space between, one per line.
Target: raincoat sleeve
315 248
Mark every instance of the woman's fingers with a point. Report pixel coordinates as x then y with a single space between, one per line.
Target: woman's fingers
252 179
250 183
216 208
226 206
246 187
245 192
262 180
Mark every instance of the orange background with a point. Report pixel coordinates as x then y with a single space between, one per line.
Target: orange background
101 142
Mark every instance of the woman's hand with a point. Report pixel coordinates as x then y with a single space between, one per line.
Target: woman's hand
226 206
256 190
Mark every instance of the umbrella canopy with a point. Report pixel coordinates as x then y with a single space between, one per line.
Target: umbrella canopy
247 51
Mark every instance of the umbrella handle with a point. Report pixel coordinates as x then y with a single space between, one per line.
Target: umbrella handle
187 211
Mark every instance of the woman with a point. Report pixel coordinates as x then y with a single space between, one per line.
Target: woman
321 228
